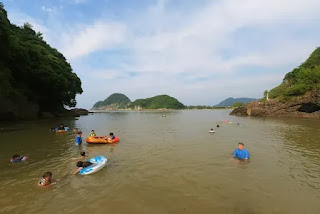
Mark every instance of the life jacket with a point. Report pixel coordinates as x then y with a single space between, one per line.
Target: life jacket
93 134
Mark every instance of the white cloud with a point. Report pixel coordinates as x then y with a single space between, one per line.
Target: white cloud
183 53
49 9
90 38
175 49
197 43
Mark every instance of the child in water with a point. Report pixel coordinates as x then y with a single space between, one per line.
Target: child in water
18 158
46 180
61 127
79 139
92 134
81 165
15 158
111 136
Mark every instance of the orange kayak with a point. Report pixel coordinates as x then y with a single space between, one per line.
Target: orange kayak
101 140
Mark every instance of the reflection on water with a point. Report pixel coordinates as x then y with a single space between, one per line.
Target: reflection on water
166 165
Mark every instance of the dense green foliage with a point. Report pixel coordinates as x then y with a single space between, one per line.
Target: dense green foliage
301 80
230 101
158 102
115 100
237 104
31 70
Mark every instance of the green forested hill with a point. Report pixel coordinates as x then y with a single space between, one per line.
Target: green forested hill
300 80
121 101
115 100
33 76
157 102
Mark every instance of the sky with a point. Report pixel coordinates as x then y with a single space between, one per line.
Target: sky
198 51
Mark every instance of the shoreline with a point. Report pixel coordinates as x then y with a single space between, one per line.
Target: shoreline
151 110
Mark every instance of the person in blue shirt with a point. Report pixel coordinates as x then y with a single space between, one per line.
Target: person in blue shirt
241 153
79 139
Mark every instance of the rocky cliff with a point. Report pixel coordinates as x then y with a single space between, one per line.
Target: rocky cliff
307 106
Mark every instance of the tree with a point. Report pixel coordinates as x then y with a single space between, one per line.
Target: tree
32 70
237 104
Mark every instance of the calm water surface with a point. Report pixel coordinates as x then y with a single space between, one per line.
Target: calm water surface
166 165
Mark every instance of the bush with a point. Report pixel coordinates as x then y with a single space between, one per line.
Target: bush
300 80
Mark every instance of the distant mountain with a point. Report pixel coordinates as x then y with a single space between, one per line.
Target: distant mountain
230 101
158 102
114 101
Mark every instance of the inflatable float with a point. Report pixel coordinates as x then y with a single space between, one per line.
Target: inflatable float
57 130
22 158
66 129
98 163
211 131
101 140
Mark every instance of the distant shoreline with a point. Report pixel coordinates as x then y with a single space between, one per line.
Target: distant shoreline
152 110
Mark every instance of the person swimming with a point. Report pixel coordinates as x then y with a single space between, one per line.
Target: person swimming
18 158
46 180
82 155
218 126
81 165
211 131
61 127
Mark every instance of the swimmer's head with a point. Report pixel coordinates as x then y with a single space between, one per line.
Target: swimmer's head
211 129
47 176
240 146
83 154
111 133
15 156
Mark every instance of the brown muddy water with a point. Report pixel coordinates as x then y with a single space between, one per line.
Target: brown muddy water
165 165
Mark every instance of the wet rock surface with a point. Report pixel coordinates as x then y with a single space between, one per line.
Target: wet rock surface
307 106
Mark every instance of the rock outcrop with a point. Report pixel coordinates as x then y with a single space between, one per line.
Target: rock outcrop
307 106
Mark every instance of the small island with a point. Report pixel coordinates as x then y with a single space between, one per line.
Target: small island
118 101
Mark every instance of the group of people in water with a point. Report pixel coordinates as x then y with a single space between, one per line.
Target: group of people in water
46 179
239 153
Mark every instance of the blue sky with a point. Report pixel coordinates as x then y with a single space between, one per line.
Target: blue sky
200 52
